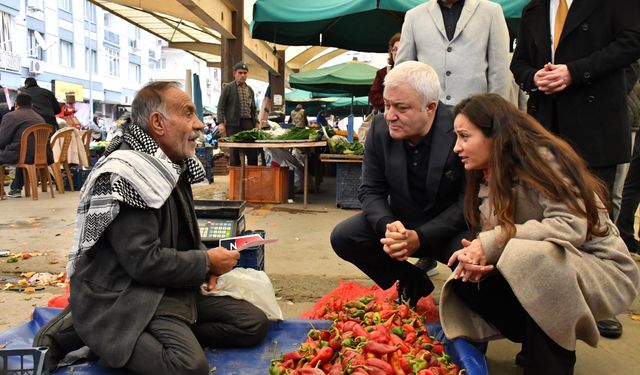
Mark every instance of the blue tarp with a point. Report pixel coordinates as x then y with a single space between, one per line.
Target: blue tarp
247 361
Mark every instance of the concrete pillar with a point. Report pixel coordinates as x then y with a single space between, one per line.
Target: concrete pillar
277 81
232 48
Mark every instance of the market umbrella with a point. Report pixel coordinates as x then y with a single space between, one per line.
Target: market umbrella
359 25
352 78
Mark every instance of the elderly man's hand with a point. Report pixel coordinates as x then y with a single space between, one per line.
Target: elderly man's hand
222 260
400 243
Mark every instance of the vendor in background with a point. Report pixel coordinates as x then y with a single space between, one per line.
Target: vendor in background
265 108
376 91
68 111
298 117
321 120
546 262
237 111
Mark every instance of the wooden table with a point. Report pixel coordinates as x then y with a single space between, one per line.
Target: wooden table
242 147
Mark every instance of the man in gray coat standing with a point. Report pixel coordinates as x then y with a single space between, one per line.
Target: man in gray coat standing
465 41
237 111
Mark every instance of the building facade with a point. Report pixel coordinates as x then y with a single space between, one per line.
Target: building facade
76 46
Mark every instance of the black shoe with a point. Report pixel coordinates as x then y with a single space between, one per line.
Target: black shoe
410 291
520 359
611 328
428 265
59 336
15 193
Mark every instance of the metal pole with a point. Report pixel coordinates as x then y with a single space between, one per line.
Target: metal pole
91 83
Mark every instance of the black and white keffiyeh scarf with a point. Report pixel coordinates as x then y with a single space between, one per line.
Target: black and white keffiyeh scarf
143 177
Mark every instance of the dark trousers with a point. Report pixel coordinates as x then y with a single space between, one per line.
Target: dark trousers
171 346
234 153
494 300
18 179
356 242
608 176
630 201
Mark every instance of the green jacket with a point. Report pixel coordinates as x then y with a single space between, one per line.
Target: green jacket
229 106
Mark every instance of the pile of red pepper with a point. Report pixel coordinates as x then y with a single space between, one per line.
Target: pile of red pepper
368 337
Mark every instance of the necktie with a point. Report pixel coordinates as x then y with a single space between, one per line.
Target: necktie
561 16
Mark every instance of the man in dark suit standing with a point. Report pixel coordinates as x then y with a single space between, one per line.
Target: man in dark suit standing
412 186
44 102
570 58
237 111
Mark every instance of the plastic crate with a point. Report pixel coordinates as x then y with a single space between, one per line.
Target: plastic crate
221 165
252 257
79 176
205 155
23 361
262 184
348 180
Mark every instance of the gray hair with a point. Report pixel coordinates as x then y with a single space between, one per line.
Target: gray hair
148 100
420 76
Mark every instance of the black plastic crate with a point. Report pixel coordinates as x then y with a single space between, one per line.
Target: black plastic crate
348 180
79 176
23 361
252 257
205 155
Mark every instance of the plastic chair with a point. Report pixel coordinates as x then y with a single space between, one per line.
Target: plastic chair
2 194
86 141
40 134
64 137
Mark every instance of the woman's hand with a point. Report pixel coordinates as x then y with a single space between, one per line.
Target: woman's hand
472 262
400 243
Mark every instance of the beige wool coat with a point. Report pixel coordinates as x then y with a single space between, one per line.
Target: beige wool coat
564 282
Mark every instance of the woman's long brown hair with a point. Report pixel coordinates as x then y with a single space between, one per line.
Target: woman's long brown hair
516 158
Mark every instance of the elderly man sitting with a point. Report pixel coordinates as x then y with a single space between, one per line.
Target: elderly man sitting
137 261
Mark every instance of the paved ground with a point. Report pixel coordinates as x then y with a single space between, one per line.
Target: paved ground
302 266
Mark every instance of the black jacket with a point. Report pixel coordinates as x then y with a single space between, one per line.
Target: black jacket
11 128
385 194
600 38
147 262
44 102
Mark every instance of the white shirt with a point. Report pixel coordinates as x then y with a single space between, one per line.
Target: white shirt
553 8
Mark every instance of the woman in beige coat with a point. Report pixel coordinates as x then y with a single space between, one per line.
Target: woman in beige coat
546 261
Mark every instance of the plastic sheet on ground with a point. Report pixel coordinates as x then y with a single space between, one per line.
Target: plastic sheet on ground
247 361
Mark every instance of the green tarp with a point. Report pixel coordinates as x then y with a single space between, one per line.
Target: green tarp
359 25
353 78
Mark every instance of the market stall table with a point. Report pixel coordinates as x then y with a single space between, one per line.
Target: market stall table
243 146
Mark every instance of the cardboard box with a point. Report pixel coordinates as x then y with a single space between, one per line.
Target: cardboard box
261 185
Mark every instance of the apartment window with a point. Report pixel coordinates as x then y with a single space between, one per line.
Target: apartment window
64 5
90 60
89 12
34 50
163 63
66 54
109 20
134 36
113 61
135 73
7 25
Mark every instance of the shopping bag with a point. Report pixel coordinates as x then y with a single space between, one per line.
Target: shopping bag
250 285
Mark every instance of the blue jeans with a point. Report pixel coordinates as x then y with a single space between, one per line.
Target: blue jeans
18 179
